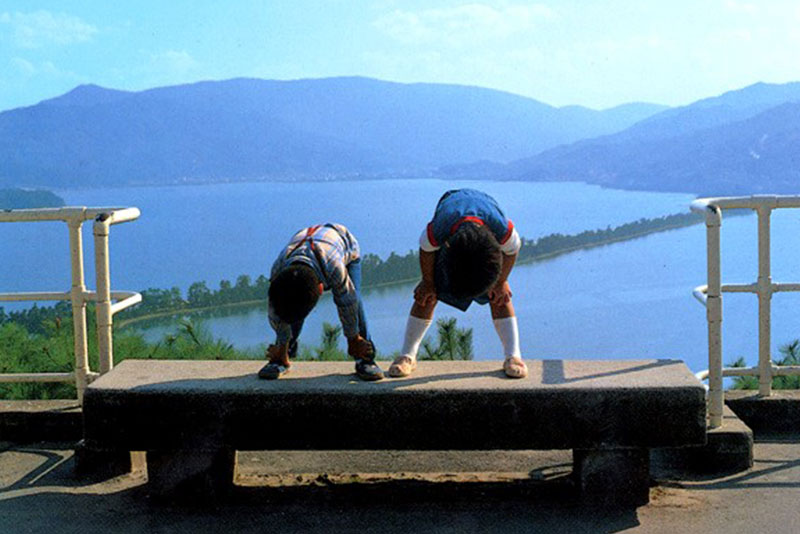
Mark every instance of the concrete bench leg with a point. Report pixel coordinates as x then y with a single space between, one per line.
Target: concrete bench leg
206 474
103 463
615 477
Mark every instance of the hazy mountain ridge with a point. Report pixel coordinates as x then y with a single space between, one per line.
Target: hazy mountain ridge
741 142
260 129
87 95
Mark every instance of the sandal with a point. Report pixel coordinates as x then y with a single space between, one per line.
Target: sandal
402 366
515 368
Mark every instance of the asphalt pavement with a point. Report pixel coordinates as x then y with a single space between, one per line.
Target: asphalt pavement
392 491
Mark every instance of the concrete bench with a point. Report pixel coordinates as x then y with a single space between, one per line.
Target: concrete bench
192 416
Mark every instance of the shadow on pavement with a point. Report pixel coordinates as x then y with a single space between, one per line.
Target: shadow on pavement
47 497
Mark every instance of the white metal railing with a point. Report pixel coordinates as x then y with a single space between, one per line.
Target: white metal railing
710 295
107 302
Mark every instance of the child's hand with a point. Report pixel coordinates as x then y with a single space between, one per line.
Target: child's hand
425 293
359 348
500 294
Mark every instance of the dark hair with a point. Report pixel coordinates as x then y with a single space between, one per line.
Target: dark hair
294 292
472 260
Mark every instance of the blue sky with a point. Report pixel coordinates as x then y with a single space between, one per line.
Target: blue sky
598 54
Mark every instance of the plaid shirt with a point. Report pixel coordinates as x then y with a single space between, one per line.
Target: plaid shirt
328 249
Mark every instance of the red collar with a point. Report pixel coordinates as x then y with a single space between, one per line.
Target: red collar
462 220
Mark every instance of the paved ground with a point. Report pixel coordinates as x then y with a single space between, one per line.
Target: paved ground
444 492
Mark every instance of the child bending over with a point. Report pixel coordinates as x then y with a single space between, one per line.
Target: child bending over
321 257
466 254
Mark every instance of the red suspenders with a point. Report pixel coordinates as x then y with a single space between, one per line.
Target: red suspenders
309 232
320 260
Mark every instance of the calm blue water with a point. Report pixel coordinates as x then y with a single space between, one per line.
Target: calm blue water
629 299
214 232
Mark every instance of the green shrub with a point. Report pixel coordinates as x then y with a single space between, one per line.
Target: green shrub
790 356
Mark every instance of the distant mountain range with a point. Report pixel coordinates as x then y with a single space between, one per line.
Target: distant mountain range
741 142
245 129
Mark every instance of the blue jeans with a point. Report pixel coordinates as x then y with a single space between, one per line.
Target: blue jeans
354 272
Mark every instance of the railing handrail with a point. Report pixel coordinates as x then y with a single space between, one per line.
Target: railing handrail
710 295
103 297
746 202
66 214
32 296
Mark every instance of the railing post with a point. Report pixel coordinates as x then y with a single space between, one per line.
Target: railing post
78 294
764 285
78 300
716 394
103 304
764 288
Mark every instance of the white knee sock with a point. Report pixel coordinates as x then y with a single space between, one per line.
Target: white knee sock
509 336
415 331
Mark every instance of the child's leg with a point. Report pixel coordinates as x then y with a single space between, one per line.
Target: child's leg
505 323
278 355
354 272
296 329
366 368
419 320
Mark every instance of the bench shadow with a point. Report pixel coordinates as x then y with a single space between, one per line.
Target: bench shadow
50 496
394 383
129 511
553 371
56 469
327 382
51 461
751 479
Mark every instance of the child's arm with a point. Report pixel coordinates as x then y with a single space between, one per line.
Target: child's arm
346 299
505 268
357 346
501 292
426 289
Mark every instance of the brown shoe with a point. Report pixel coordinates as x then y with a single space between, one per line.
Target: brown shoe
402 366
515 368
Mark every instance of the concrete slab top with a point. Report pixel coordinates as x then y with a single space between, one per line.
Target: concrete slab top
562 404
219 377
